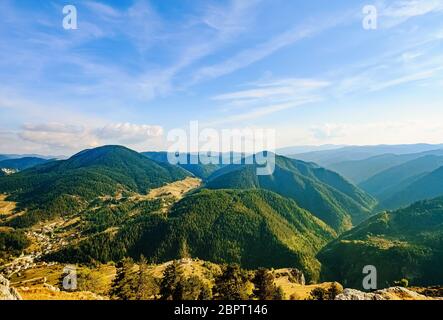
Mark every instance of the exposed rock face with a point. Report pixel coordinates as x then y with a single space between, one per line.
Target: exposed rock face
6 292
395 293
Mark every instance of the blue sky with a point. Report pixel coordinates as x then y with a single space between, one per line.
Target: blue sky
135 69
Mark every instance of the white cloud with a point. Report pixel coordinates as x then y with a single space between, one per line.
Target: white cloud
282 87
412 8
61 137
252 55
129 133
58 136
398 12
372 133
270 96
54 127
264 110
328 131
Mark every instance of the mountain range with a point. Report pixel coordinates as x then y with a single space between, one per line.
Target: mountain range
351 153
303 215
387 183
326 194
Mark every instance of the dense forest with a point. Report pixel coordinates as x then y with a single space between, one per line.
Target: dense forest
251 228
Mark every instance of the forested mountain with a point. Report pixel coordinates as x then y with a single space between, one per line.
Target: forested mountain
22 163
389 182
62 187
255 228
324 193
202 171
424 187
359 171
352 153
406 243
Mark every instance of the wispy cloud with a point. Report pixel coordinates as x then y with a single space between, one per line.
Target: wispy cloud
397 12
269 97
264 110
252 55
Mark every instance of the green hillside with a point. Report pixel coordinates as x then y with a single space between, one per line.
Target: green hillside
254 228
387 183
63 187
324 193
406 243
427 186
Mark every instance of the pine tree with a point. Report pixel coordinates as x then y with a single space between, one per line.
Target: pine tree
146 284
169 286
123 284
231 285
265 289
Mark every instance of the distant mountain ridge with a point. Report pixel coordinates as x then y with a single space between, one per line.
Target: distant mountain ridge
391 181
423 187
358 171
352 153
22 163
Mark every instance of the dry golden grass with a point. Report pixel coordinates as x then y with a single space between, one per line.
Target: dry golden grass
6 229
30 283
6 207
300 292
176 189
51 273
43 293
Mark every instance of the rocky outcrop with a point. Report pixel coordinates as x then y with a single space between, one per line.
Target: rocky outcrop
6 292
293 275
394 293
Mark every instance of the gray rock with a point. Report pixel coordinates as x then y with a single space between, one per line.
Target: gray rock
394 293
6 292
